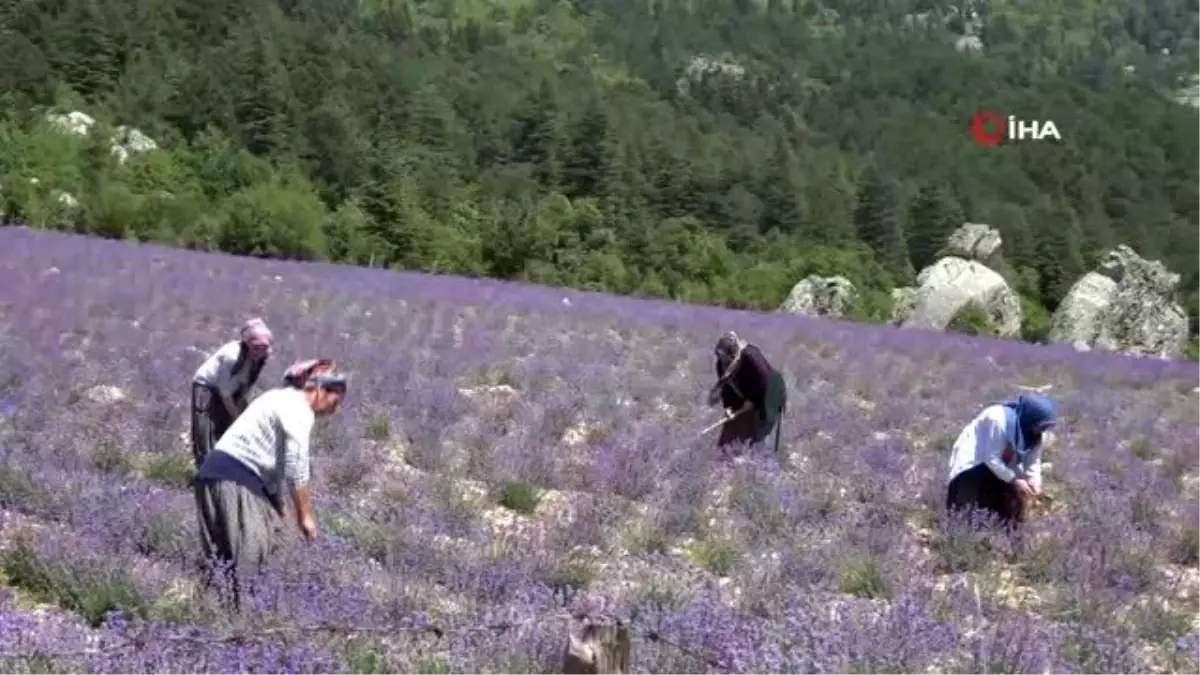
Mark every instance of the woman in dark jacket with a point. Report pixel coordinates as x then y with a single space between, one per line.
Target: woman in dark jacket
752 392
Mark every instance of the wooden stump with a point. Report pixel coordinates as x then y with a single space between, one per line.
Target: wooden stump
596 648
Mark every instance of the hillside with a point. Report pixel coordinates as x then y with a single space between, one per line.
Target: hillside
700 150
504 457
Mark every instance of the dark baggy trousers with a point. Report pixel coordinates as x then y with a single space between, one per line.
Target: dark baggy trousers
979 488
756 426
210 420
239 529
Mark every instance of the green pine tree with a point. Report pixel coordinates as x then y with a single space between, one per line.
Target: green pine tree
932 217
1057 257
877 220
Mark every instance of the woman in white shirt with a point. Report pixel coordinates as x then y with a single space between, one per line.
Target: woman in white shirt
240 486
996 464
223 382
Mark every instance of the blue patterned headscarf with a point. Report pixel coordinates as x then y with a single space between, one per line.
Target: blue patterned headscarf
332 381
1027 417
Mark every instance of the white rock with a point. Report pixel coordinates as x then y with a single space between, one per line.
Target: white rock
1126 304
105 394
974 241
75 123
820 296
947 286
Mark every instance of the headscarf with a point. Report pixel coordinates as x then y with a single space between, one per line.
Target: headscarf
1027 417
327 380
255 331
301 372
731 347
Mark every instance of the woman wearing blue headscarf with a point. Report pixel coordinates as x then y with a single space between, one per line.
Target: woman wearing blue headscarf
996 464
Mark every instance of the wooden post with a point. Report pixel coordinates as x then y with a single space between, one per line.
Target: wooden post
597 648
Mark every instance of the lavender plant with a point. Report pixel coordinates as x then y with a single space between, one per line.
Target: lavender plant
507 460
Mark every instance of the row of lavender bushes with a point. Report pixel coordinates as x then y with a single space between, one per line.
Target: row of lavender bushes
835 559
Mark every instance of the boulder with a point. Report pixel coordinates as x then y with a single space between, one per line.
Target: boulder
820 296
975 241
701 68
947 286
1127 305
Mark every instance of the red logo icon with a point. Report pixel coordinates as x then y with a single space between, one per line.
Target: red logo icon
989 127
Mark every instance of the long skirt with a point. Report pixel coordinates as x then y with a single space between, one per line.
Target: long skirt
754 428
210 420
238 532
979 488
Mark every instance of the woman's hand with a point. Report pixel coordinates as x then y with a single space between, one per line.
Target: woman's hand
308 527
1024 488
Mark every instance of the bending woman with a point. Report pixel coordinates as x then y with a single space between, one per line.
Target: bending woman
240 488
752 392
996 464
221 385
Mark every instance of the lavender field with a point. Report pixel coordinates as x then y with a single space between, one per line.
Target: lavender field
509 456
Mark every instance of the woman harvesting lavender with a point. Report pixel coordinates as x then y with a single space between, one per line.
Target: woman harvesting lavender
753 393
222 383
239 487
996 464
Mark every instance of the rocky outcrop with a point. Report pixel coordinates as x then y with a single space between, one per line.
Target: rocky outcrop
703 67
975 241
1125 305
820 296
965 275
125 141
947 286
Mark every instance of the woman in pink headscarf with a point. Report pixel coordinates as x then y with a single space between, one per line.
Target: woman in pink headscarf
222 384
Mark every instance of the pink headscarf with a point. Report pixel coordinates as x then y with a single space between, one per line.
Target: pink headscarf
301 371
255 331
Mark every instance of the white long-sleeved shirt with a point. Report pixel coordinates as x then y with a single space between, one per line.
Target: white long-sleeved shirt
984 440
272 438
217 370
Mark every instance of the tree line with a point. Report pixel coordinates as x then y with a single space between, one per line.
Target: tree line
701 150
